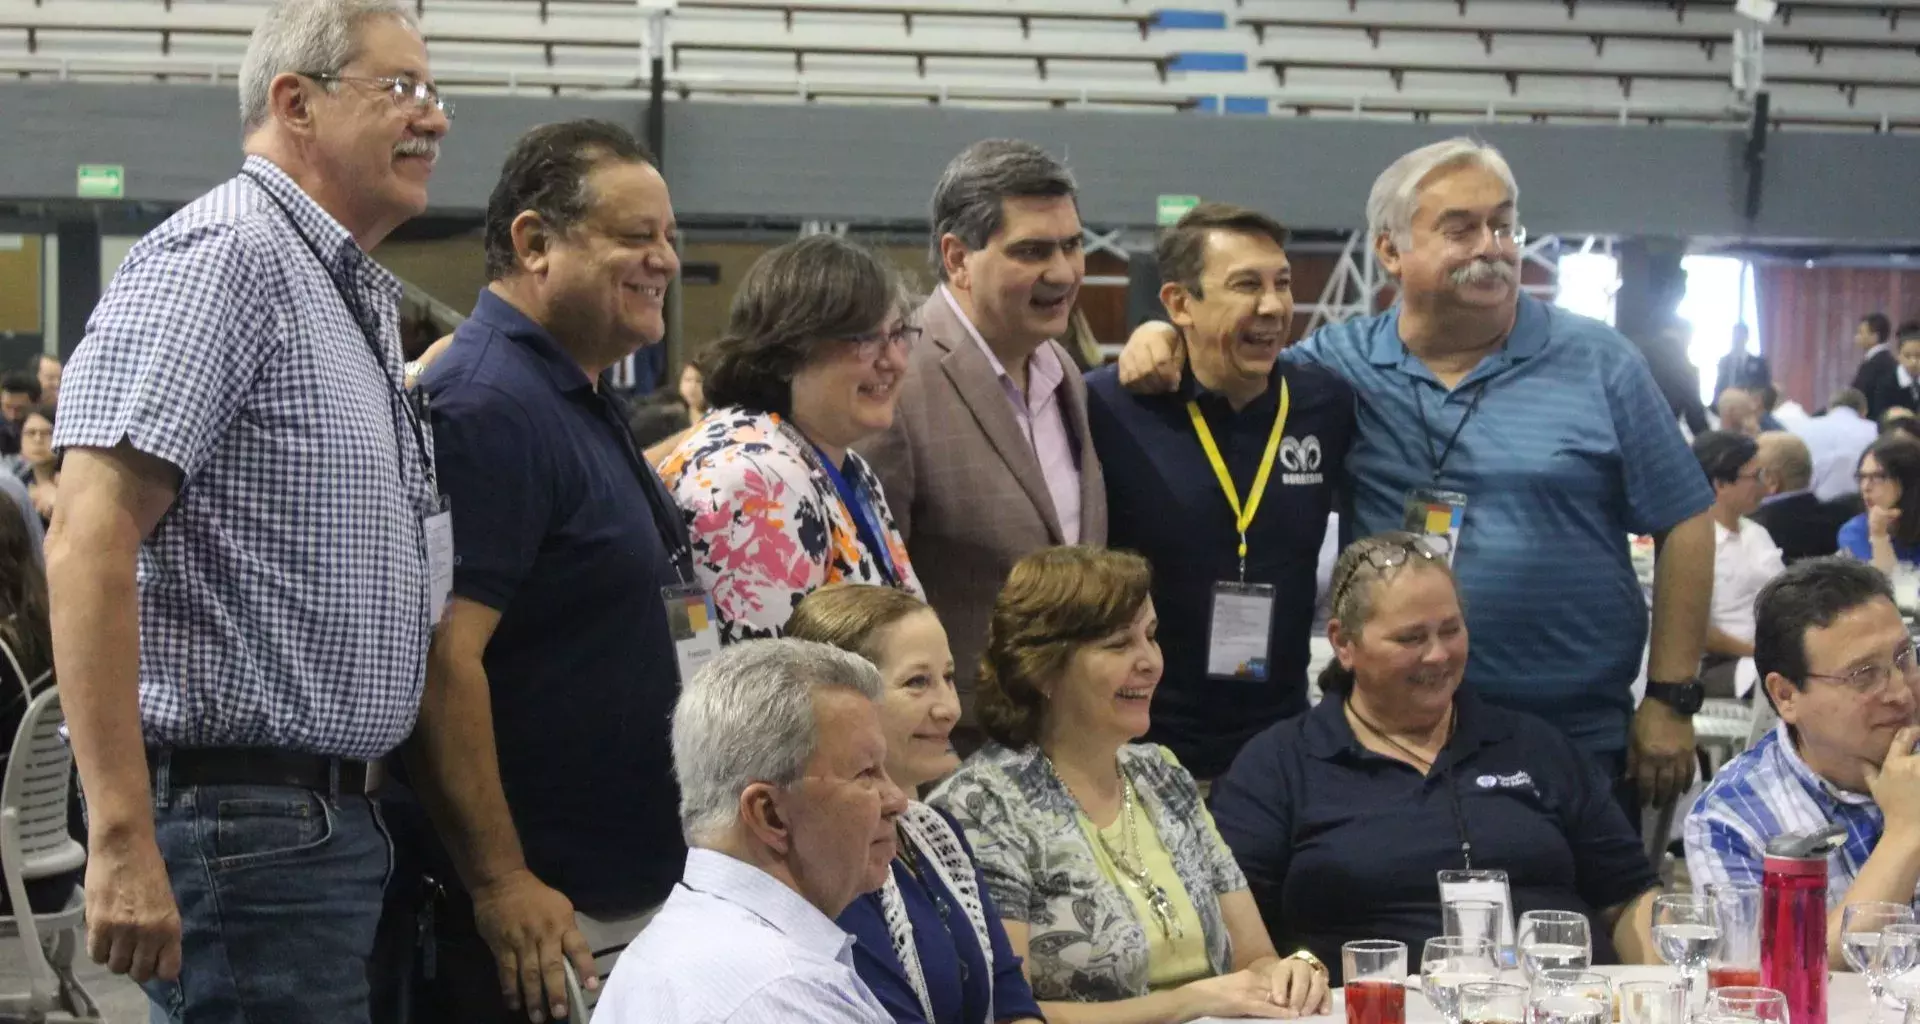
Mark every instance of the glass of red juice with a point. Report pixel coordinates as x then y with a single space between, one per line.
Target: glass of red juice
1375 975
1739 906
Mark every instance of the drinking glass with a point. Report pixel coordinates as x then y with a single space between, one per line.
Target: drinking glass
1375 971
1903 954
1571 997
1554 940
1493 1002
1448 963
1653 1002
1746 1003
1862 928
1686 931
1737 962
1473 919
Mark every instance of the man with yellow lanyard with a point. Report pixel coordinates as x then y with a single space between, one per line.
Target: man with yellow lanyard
1224 485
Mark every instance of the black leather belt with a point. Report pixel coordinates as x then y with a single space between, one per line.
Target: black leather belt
257 766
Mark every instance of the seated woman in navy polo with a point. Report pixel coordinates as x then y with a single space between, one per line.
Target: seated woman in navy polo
1343 817
776 505
929 942
1888 532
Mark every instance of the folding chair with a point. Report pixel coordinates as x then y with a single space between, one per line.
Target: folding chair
35 844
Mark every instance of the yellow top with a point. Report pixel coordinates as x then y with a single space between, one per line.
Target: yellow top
1171 961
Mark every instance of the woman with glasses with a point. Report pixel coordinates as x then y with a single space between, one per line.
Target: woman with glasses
776 503
1344 817
1110 879
39 463
1888 532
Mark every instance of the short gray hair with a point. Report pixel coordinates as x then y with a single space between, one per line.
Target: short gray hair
305 36
967 203
748 717
1396 192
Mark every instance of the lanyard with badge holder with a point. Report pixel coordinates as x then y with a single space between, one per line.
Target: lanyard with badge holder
866 519
1436 514
436 526
1240 630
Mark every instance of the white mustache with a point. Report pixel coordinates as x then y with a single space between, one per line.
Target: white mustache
419 145
1485 271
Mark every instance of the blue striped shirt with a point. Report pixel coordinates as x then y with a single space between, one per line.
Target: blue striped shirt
283 596
1570 449
733 945
1769 791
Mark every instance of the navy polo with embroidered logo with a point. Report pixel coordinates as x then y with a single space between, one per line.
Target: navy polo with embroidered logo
1164 502
1340 843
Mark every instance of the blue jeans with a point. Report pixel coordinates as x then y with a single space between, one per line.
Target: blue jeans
279 891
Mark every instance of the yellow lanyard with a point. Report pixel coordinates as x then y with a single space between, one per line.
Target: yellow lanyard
1243 517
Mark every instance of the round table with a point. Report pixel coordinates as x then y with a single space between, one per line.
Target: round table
1846 998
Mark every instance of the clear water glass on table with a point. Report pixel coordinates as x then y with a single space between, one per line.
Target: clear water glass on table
1653 1002
1447 963
1554 940
1374 972
1686 933
1737 962
1744 1004
1903 980
1474 919
1571 997
1493 1002
1863 928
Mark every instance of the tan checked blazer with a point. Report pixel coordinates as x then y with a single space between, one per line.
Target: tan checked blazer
965 485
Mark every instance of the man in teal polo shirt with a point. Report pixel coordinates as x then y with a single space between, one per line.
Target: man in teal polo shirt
1530 442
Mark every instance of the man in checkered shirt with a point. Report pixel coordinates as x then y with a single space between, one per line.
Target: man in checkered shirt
240 564
1838 665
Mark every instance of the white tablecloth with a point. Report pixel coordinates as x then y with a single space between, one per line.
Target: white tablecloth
1846 998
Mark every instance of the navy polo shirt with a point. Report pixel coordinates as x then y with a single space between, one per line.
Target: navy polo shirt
1164 501
557 524
1340 843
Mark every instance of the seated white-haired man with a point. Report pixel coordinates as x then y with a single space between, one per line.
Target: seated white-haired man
788 815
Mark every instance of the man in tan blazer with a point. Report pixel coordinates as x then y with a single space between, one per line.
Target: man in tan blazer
989 458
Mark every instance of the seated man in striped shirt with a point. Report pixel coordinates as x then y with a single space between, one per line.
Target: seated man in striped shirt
1838 664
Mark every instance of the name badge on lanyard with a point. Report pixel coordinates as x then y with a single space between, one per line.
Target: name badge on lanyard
693 625
439 531
1436 514
1240 626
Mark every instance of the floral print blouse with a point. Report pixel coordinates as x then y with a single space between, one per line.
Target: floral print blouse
767 524
1084 942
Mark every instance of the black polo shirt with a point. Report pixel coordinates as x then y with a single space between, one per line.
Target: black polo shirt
1340 843
1164 501
557 524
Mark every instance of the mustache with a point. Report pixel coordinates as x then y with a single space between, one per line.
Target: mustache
419 145
1485 271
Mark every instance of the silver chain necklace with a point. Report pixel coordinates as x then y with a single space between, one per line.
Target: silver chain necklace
1131 863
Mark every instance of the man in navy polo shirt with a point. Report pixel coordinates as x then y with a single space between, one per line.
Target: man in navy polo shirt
542 754
1225 485
1528 442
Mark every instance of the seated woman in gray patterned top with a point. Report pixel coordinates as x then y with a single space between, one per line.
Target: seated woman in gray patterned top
1107 871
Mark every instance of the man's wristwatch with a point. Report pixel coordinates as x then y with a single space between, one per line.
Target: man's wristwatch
1685 697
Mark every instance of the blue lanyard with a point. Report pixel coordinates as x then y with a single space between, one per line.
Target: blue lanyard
865 522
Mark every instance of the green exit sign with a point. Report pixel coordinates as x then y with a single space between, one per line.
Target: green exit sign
102 181
1171 208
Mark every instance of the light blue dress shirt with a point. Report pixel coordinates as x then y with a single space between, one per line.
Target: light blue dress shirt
734 945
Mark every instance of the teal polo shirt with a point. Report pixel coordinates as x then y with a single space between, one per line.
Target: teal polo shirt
1570 448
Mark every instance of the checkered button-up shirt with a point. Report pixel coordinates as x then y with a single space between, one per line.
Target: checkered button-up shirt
1767 792
283 596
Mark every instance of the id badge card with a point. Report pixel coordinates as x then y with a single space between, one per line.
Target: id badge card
439 530
693 625
1484 887
1240 631
1436 517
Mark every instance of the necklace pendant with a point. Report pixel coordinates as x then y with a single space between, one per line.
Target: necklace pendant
1162 907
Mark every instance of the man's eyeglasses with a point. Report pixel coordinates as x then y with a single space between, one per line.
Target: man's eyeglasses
409 95
869 345
1384 557
1869 679
1464 235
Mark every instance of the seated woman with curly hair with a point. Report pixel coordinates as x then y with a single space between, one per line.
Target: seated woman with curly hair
776 504
1107 871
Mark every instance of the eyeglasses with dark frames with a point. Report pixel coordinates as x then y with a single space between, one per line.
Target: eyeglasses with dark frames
408 94
869 345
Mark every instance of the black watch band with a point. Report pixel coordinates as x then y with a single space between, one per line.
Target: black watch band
1685 697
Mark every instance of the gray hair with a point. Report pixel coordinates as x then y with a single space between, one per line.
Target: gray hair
305 36
748 717
967 203
1396 192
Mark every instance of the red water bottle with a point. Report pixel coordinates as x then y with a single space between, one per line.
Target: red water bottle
1793 928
